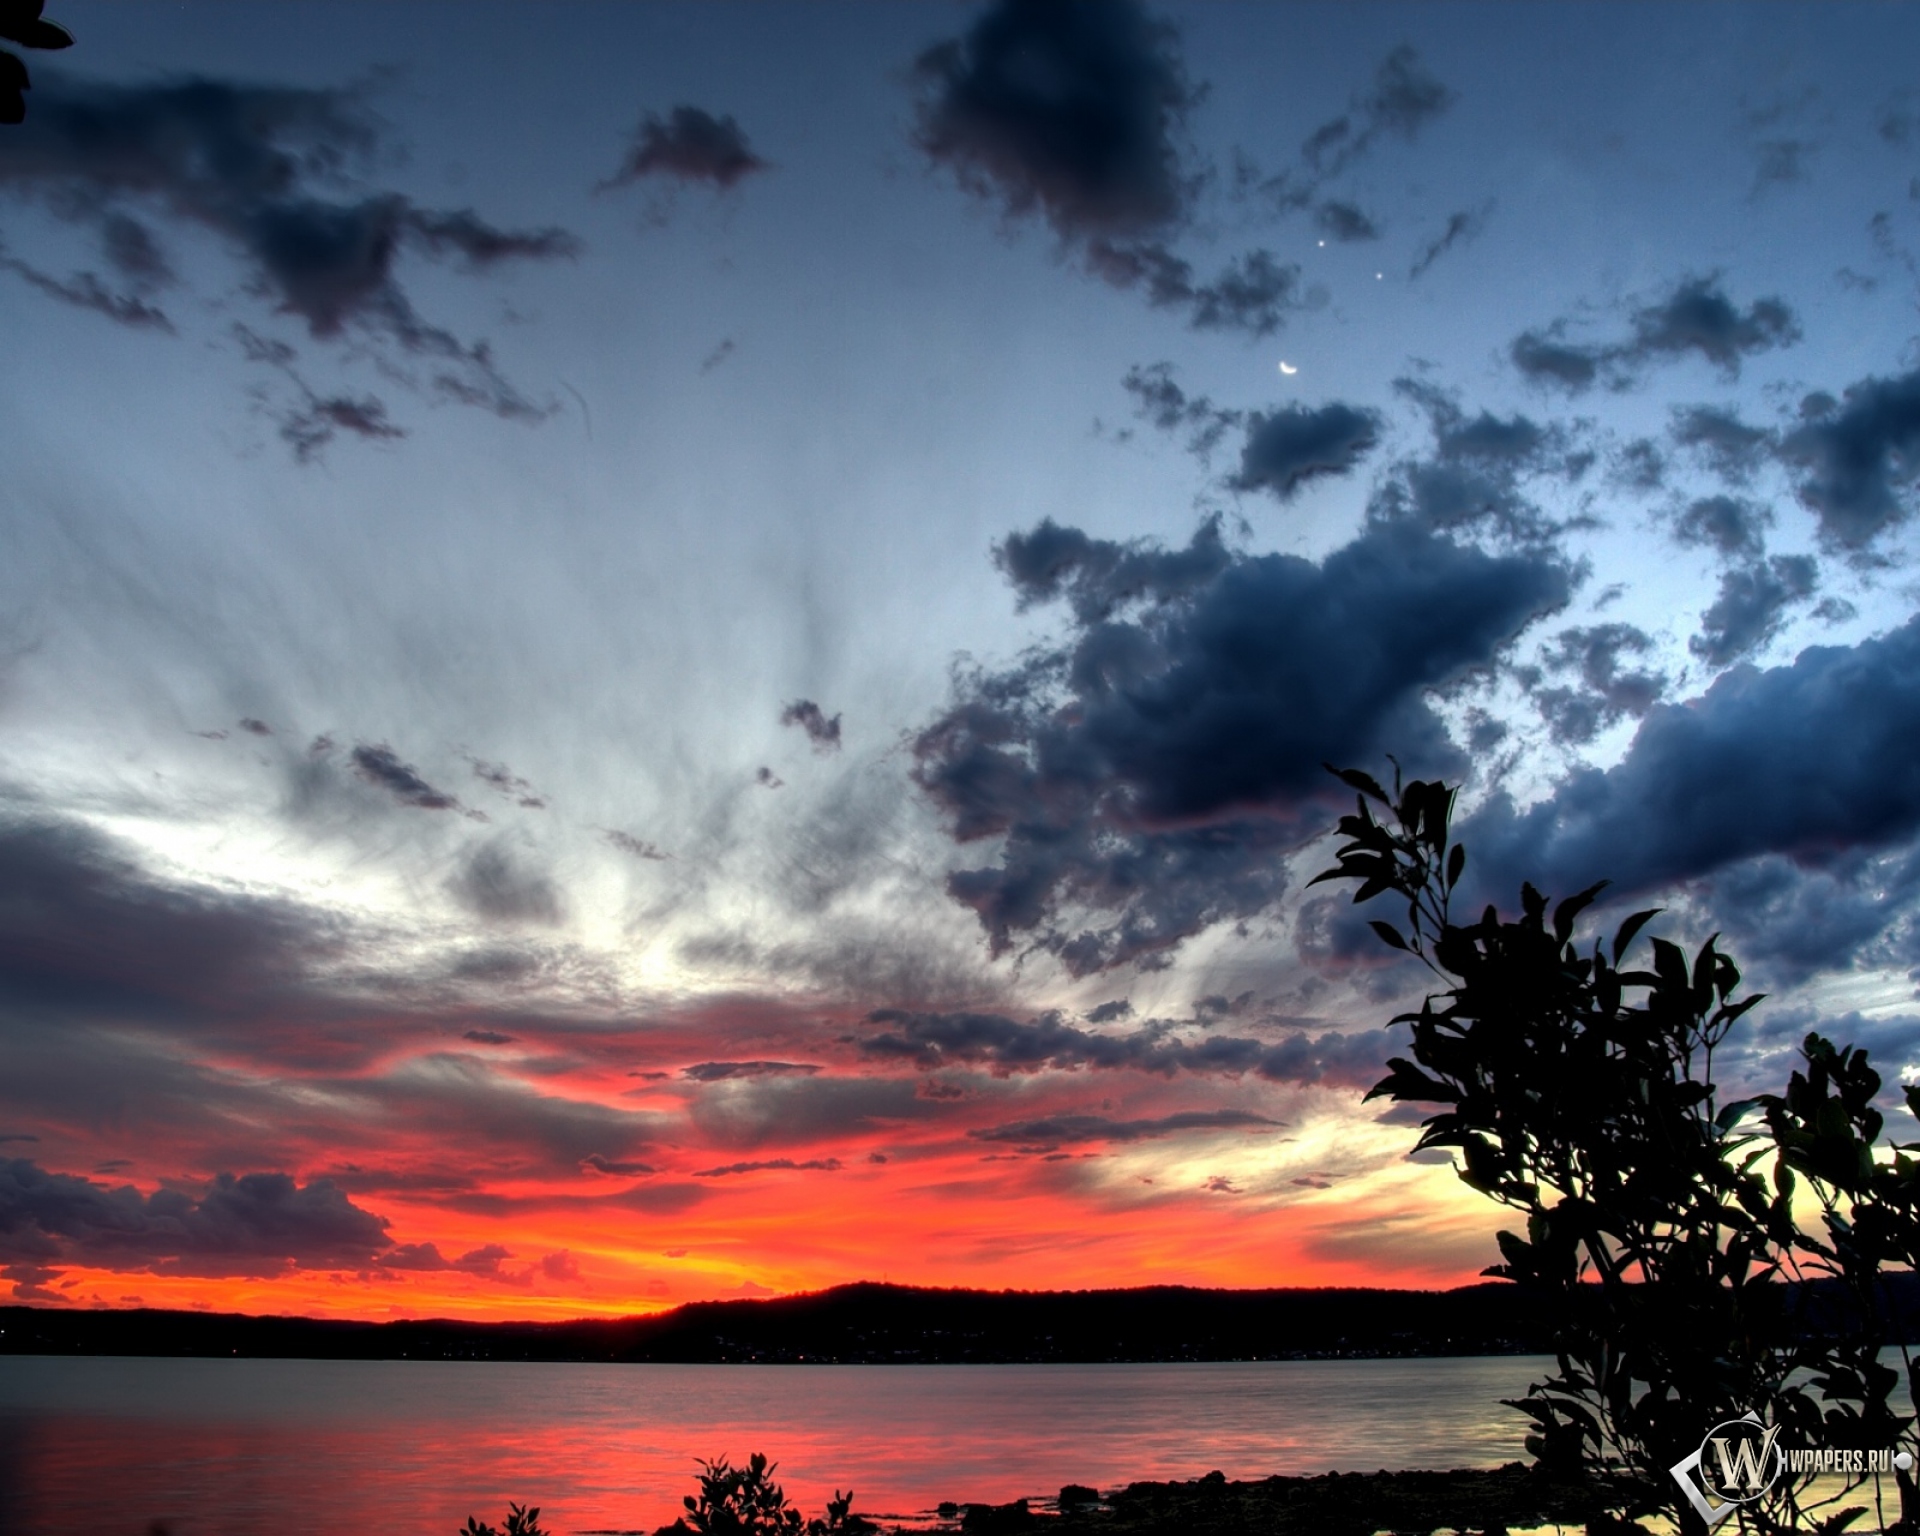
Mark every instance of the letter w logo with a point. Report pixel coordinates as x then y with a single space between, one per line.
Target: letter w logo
1746 1466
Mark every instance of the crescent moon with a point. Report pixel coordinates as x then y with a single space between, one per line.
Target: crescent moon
1288 368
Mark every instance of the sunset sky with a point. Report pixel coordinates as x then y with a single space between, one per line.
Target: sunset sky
652 652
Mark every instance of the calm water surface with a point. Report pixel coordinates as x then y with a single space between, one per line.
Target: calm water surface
249 1447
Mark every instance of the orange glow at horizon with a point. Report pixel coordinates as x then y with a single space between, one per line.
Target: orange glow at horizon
736 1149
938 1217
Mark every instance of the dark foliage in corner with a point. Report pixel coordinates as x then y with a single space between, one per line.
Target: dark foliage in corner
22 23
1659 1221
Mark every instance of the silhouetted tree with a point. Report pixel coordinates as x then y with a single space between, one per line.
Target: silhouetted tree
1658 1219
22 23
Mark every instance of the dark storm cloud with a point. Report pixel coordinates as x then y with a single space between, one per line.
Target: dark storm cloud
1288 449
786 1110
381 766
1216 1006
1252 293
1475 476
1729 525
1402 100
1808 760
310 427
504 781
1695 318
479 245
264 169
1788 922
1073 112
86 926
1730 447
426 1257
1890 1039
626 842
494 884
1608 690
459 1099
687 145
1752 607
1070 109
1638 465
257 1082
1097 576
133 252
1464 225
120 989
1147 776
1334 936
1344 222
823 732
653 1198
311 421
244 161
256 1224
1054 1131
934 1040
811 1165
594 1162
727 1071
1861 456
85 291
1545 357
487 1037
1157 398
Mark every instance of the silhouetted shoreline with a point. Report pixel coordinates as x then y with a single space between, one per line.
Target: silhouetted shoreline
871 1324
1330 1504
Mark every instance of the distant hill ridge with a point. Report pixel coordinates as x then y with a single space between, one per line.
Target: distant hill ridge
869 1323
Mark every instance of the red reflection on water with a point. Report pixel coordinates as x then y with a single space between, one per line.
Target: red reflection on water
244 1448
76 1474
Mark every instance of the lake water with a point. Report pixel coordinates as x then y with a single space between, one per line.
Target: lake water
108 1447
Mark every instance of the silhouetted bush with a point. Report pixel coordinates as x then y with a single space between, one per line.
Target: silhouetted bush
733 1501
1659 1221
520 1522
745 1501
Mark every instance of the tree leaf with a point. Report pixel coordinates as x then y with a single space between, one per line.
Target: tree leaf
1353 778
1630 929
1572 907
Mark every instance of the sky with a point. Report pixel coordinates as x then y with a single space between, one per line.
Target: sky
656 652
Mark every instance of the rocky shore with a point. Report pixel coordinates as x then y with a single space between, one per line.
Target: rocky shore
1477 1502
